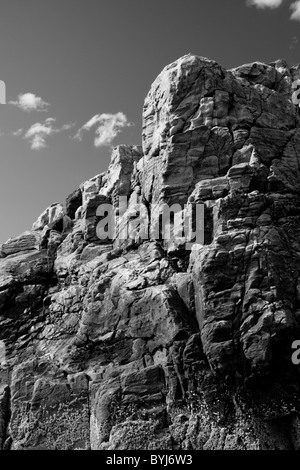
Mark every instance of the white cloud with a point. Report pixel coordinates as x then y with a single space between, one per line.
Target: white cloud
38 133
295 6
17 132
107 127
265 3
30 102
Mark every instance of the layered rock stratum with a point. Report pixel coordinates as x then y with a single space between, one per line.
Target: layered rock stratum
143 343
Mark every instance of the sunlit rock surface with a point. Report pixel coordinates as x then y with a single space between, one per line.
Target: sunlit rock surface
141 343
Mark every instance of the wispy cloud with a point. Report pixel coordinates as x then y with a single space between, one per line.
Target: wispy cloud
38 133
295 6
265 3
18 132
30 102
107 127
294 42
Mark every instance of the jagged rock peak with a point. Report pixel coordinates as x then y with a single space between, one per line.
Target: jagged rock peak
148 342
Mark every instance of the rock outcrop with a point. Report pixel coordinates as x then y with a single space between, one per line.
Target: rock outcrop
153 342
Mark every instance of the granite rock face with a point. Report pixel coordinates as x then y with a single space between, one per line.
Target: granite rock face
143 342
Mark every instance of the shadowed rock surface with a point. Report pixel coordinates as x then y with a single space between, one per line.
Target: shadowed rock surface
143 343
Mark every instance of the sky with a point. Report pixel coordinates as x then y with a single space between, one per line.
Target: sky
77 73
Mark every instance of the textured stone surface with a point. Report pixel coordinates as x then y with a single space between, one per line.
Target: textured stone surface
141 343
73 202
26 241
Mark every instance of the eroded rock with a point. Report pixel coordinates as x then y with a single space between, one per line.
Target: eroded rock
142 343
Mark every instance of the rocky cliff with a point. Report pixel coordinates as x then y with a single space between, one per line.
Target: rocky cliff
146 343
